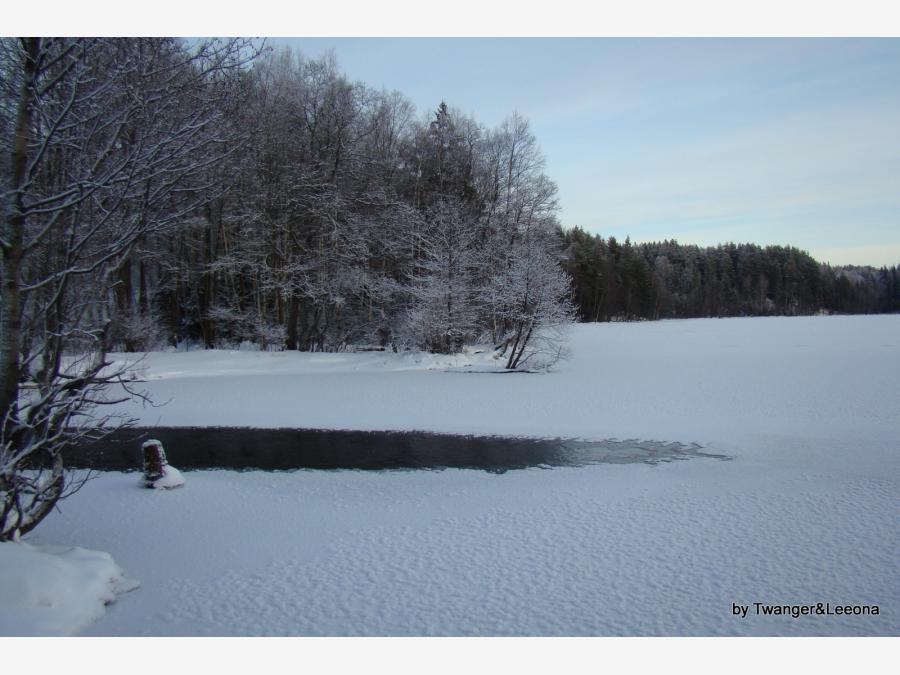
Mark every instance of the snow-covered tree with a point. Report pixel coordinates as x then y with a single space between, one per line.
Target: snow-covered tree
106 142
532 300
445 296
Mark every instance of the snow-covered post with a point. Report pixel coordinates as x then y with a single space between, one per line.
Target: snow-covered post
154 460
157 472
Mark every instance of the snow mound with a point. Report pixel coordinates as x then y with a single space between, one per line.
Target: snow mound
171 478
55 590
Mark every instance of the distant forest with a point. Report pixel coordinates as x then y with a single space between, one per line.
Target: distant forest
621 281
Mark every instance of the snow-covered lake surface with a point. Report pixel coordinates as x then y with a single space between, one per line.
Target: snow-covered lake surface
805 513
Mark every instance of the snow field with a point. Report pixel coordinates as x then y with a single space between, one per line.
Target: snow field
694 380
805 512
604 550
55 590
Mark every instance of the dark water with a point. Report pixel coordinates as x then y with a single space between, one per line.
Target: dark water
284 449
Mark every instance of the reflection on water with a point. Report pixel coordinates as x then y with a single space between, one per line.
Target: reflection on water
284 449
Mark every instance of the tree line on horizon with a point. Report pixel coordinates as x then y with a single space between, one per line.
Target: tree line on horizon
622 281
337 218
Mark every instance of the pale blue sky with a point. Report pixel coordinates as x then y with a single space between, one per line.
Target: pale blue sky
703 140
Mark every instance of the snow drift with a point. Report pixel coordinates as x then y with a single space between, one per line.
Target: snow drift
55 590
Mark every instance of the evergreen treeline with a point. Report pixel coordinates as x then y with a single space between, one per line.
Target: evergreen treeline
661 280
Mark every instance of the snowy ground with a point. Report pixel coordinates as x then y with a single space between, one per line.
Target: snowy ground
695 380
55 590
805 513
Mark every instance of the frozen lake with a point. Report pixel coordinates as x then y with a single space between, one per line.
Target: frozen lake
805 513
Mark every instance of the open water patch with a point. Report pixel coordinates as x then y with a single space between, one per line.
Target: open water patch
289 449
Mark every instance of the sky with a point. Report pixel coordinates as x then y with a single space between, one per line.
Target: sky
713 140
